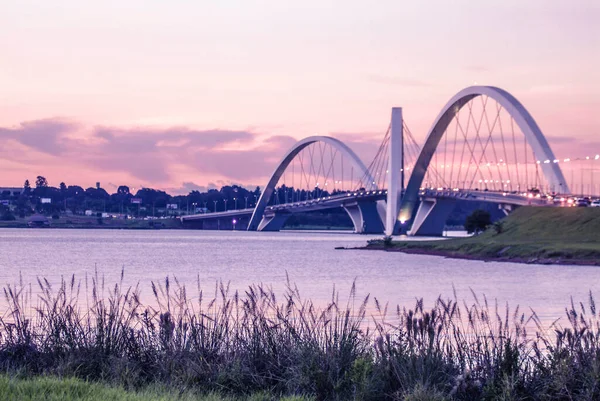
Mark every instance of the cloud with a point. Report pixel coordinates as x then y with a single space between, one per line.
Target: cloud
46 136
148 154
241 165
190 186
175 137
176 159
186 187
279 141
364 144
557 139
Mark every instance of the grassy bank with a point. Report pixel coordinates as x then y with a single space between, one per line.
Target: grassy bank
237 345
529 234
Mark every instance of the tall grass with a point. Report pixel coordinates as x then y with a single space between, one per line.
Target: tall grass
242 343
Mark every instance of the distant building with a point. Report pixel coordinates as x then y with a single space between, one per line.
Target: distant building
12 191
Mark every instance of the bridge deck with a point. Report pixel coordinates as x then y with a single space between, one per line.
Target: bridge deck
340 200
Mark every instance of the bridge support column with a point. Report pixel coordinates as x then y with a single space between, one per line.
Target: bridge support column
506 209
273 222
395 173
432 216
365 217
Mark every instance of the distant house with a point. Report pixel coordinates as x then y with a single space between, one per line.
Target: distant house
37 220
11 190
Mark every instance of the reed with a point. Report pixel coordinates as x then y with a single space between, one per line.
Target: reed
238 344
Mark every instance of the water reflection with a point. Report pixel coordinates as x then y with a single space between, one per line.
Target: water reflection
309 259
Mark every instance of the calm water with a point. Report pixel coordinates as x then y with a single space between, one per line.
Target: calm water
310 260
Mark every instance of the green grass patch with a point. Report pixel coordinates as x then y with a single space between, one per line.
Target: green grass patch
72 389
528 234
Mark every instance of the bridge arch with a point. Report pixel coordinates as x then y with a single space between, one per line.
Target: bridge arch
345 151
522 118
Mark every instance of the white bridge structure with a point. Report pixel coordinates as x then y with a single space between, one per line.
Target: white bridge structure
483 146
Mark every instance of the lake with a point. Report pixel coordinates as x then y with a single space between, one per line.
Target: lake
309 259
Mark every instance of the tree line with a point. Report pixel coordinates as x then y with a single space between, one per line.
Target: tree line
74 199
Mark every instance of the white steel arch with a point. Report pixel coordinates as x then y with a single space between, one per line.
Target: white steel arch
524 120
287 159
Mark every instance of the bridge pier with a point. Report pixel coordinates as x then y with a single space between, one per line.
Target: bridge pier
431 216
365 217
273 221
506 208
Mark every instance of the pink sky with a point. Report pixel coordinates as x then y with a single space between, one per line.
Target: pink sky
181 94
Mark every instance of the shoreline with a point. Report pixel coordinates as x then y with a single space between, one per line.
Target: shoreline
93 228
529 235
335 230
455 255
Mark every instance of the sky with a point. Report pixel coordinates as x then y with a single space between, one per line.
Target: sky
182 95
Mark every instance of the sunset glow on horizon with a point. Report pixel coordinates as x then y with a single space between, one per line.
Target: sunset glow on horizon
188 95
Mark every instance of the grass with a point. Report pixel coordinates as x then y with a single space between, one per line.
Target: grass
67 389
72 389
254 344
536 234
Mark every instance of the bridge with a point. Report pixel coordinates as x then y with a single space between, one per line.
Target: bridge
483 146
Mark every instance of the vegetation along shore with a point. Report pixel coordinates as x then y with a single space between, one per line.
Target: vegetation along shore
527 235
257 345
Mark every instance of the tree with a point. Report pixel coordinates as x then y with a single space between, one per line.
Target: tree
75 191
95 193
41 182
26 187
63 187
123 190
478 221
152 197
7 216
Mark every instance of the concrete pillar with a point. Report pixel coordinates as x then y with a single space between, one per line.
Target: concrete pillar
395 173
506 209
365 217
273 221
431 216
